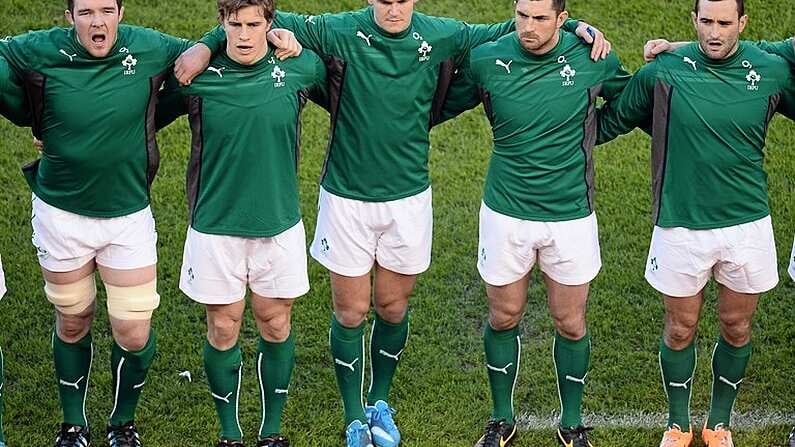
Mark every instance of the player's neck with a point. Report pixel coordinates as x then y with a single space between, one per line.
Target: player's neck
547 47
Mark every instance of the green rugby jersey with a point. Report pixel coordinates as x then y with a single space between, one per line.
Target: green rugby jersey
245 119
542 111
708 121
386 92
785 49
95 116
13 103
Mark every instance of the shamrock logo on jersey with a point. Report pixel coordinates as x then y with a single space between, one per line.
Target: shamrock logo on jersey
424 50
129 64
278 74
753 78
568 73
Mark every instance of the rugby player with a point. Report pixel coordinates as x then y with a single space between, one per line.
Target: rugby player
92 90
245 221
14 107
539 198
785 49
707 106
375 217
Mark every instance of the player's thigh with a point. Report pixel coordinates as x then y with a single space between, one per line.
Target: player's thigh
343 242
566 302
273 317
214 268
571 256
750 265
680 260
65 242
506 252
405 245
277 266
507 303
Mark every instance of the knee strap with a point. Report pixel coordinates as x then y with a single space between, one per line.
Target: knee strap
133 303
72 299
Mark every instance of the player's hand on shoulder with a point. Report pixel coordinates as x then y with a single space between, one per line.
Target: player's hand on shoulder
192 63
285 42
655 47
600 46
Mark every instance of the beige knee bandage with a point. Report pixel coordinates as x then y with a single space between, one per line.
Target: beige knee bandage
132 303
72 299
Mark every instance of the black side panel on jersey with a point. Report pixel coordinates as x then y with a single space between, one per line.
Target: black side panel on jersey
35 84
196 147
590 131
447 70
485 97
335 75
34 88
663 93
152 152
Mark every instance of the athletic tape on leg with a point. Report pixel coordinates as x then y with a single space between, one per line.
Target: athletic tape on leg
133 303
72 299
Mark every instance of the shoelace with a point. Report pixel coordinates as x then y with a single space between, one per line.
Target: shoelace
493 433
72 439
385 417
124 436
580 436
355 436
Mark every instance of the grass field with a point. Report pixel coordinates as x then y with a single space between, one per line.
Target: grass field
441 391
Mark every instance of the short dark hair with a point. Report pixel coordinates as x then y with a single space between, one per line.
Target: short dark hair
229 7
740 7
558 5
70 4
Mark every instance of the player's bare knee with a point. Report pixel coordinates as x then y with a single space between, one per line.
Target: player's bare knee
394 311
571 327
503 321
737 331
678 336
131 335
223 331
275 329
72 328
350 317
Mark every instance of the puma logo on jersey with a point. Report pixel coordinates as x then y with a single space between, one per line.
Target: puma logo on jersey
75 385
310 19
687 60
366 38
576 380
281 391
218 71
734 385
70 56
502 64
223 399
347 365
503 370
394 357
683 385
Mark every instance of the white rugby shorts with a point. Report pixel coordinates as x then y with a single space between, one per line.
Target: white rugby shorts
741 257
351 235
567 251
218 269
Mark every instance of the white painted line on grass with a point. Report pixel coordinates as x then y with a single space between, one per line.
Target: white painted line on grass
750 420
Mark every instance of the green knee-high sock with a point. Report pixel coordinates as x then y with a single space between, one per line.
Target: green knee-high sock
275 363
387 343
224 371
129 370
72 371
347 351
503 354
728 371
2 393
678 368
572 358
